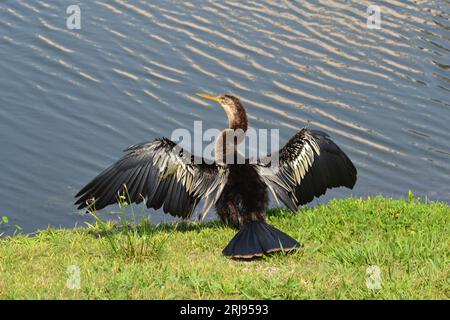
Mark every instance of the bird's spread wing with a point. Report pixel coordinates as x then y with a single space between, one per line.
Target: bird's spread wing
158 173
308 165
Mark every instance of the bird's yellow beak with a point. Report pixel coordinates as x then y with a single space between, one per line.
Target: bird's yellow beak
209 97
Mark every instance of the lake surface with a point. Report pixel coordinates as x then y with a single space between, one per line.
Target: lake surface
72 100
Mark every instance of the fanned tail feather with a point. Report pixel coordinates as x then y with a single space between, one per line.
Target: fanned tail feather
257 238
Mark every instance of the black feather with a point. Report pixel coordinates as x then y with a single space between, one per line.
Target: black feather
256 238
142 176
330 168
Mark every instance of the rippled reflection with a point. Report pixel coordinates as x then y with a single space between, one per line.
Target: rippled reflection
71 100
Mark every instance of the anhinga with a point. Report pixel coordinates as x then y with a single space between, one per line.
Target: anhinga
157 172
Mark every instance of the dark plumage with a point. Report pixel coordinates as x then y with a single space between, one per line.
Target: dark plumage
156 172
165 175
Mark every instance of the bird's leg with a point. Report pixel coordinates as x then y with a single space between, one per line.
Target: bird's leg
235 219
228 213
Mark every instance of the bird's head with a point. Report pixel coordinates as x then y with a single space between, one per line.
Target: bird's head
237 117
226 101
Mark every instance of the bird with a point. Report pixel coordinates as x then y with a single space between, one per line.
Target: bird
161 173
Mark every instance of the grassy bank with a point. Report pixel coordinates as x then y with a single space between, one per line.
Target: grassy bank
407 240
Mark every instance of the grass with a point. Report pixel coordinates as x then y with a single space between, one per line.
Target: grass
407 240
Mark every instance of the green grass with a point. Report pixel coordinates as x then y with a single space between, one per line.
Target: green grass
407 240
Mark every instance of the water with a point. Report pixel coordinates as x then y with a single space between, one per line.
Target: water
71 100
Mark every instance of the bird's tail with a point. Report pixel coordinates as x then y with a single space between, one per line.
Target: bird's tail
256 238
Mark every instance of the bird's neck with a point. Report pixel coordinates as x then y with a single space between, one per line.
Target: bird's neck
237 117
226 145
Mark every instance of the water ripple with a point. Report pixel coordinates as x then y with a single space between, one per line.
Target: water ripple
72 99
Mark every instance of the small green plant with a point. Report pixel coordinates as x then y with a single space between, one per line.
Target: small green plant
4 220
410 196
132 239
